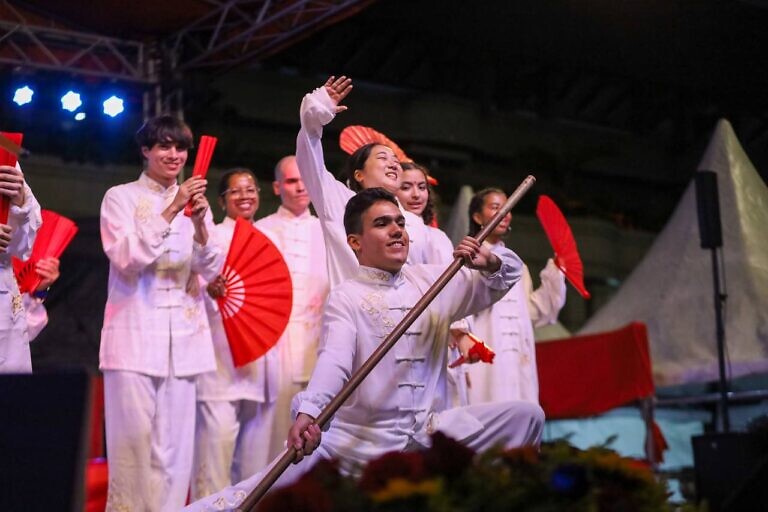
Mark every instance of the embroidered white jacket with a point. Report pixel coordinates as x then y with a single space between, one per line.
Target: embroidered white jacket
394 404
150 320
507 327
25 220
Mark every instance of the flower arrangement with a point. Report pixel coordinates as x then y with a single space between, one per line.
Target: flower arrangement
449 477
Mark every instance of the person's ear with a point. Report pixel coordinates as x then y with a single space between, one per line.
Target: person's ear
276 187
358 176
476 217
353 240
222 203
145 152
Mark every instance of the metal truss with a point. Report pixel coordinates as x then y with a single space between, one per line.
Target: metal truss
55 49
238 31
232 33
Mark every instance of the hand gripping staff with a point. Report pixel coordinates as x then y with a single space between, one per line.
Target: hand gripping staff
250 502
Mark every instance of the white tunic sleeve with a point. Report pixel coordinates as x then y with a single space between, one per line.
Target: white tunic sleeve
439 247
208 259
471 291
130 246
37 316
545 303
25 220
335 358
328 195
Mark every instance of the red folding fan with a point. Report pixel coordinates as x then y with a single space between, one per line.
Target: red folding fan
356 136
258 295
52 238
8 156
561 239
202 162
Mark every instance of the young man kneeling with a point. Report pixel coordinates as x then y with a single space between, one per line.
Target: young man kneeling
405 398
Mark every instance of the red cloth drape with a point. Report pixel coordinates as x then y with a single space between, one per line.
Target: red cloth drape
588 375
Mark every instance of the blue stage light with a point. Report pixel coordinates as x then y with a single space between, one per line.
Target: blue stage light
79 116
113 106
23 95
71 101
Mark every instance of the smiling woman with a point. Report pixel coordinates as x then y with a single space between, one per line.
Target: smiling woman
371 166
239 194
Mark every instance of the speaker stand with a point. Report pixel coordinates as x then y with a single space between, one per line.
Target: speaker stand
723 423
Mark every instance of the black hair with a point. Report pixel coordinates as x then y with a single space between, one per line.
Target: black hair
476 205
224 182
428 214
356 161
359 204
162 129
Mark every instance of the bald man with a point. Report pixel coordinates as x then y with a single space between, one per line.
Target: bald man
298 235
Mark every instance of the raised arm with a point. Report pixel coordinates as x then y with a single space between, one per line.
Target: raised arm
545 302
131 245
319 108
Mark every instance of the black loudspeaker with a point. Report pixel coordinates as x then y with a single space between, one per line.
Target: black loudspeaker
732 471
43 441
708 208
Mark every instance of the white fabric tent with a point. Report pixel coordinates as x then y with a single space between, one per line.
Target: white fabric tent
671 290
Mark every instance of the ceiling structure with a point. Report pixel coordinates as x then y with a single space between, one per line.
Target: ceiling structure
656 67
154 43
659 71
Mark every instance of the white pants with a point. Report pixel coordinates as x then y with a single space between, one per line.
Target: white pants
150 425
510 424
232 442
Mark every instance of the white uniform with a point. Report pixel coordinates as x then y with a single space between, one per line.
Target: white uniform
300 240
329 196
25 220
234 405
155 340
507 327
405 397
37 316
441 252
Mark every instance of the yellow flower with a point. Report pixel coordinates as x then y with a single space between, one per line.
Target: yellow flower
399 488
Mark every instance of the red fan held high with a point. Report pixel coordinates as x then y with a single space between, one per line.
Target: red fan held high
356 136
8 156
202 162
258 295
52 238
561 239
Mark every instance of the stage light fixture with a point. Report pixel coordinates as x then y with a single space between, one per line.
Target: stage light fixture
113 106
23 95
71 101
79 116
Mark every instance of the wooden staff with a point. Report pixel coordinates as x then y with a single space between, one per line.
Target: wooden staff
250 502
